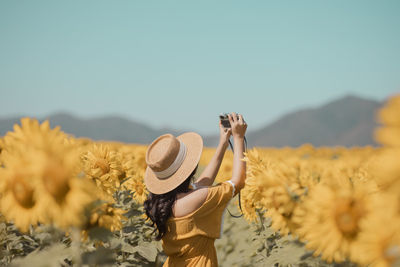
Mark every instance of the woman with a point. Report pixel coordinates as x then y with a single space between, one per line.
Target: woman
188 220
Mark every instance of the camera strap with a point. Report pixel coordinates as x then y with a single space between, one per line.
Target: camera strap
240 205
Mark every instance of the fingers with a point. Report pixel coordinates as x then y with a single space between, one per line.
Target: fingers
234 116
241 119
230 119
236 119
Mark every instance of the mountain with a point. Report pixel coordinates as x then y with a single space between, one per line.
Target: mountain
348 121
103 128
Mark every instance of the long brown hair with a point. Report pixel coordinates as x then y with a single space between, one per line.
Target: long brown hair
159 207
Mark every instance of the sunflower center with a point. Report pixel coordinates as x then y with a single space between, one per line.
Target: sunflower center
122 175
103 165
347 215
23 193
55 180
139 189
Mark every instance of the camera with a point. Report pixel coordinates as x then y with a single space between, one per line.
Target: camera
225 120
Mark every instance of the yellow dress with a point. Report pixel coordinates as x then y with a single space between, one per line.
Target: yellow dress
189 240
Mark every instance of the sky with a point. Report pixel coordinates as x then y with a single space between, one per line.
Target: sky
180 64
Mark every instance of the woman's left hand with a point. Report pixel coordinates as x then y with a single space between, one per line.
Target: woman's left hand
224 134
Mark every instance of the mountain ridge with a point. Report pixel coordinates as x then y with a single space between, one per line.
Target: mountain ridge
330 124
346 121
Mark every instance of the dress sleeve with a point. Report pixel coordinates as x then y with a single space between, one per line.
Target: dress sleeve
217 199
209 218
221 193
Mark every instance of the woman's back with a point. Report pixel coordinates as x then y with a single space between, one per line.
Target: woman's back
188 202
189 240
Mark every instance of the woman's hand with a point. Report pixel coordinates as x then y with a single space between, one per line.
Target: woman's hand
238 126
224 134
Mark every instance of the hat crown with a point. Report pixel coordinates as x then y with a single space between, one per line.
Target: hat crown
170 161
162 152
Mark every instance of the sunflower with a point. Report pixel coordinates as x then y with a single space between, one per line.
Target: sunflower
249 208
251 194
33 134
389 114
71 211
255 163
133 160
106 216
281 201
385 170
64 191
104 167
64 194
41 169
140 157
379 240
389 134
330 220
20 201
363 178
307 176
272 188
136 185
1 148
128 163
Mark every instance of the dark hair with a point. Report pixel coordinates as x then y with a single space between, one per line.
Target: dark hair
159 207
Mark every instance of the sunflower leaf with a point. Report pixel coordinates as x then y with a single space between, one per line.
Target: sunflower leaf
100 233
50 256
128 248
100 256
147 251
132 213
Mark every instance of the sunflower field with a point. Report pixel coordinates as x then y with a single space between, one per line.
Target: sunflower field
67 201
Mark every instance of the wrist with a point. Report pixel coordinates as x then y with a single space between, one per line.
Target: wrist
223 143
238 138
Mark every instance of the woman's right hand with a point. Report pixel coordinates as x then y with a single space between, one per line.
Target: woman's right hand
238 126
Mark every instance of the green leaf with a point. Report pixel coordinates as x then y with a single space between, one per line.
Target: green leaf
100 233
45 238
50 256
128 248
132 212
129 229
116 243
147 251
100 256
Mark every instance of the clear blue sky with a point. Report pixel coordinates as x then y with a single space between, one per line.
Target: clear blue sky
181 63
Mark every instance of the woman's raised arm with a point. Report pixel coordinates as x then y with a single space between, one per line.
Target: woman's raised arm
239 127
207 177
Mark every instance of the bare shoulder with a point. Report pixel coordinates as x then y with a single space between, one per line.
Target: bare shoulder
199 195
190 202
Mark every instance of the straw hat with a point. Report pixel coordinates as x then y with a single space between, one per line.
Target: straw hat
170 160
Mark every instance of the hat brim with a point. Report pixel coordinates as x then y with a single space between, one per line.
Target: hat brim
194 145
